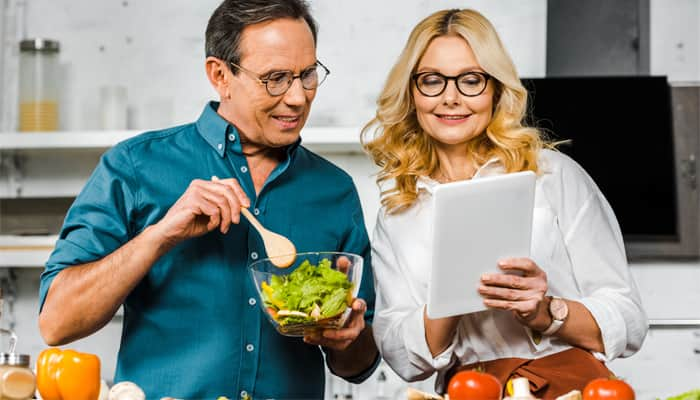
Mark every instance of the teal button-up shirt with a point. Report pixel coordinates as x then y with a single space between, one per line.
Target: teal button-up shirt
192 327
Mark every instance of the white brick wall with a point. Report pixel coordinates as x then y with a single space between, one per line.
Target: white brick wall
155 49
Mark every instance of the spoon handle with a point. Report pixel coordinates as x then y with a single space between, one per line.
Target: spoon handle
252 220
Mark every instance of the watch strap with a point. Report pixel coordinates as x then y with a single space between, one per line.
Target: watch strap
553 327
556 323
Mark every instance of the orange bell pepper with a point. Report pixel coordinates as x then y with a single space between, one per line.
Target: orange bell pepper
67 375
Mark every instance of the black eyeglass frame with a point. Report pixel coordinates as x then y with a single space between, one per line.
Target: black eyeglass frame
264 80
455 78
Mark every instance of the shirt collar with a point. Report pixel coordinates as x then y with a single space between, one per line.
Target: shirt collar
219 133
490 168
215 129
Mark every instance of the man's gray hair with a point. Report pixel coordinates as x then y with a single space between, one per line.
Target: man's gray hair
226 24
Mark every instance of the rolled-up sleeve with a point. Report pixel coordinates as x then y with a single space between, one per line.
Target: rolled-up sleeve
399 329
596 249
98 221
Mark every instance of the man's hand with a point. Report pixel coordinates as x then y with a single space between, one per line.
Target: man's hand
341 339
351 350
203 207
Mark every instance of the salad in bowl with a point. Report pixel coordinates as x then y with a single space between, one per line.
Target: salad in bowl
314 293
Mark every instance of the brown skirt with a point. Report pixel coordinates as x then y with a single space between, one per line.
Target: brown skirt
550 376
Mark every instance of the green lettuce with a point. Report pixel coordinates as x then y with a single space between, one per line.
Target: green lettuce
691 395
319 292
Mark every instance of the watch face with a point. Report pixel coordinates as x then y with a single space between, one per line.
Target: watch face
559 309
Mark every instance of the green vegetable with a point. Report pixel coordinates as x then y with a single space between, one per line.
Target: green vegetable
319 292
691 395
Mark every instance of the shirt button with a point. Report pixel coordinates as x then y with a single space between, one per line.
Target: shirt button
254 255
244 394
244 169
219 146
251 301
232 137
249 347
256 211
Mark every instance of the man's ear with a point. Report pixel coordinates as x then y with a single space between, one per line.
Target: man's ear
219 77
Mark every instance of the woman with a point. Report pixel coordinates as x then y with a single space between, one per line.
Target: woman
451 110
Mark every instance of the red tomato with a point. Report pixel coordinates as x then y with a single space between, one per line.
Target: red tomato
608 389
473 385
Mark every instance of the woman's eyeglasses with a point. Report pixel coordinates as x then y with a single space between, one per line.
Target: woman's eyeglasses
470 84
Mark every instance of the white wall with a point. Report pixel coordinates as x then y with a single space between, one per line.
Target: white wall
155 49
675 39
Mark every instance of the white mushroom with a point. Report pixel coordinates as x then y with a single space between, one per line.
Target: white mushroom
126 391
521 390
104 391
572 395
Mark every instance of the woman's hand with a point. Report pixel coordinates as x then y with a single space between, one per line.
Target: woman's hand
521 289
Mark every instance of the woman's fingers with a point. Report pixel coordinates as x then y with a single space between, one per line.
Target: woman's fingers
524 309
522 265
520 294
494 292
505 280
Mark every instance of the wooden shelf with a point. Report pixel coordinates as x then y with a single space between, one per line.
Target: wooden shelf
320 139
25 251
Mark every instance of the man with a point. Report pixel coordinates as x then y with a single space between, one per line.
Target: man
152 230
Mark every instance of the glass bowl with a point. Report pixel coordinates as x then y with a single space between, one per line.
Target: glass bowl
313 293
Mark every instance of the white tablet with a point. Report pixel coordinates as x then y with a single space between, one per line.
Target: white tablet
476 223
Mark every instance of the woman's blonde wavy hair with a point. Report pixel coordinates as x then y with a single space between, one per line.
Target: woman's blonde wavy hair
401 148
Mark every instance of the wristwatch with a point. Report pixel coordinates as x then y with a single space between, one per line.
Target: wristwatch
559 311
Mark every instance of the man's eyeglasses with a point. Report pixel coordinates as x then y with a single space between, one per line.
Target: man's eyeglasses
278 82
470 84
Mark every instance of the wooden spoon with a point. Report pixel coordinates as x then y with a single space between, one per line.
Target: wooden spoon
279 249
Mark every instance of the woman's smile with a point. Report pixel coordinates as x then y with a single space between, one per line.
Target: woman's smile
452 119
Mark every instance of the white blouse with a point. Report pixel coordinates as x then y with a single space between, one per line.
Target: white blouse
576 240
